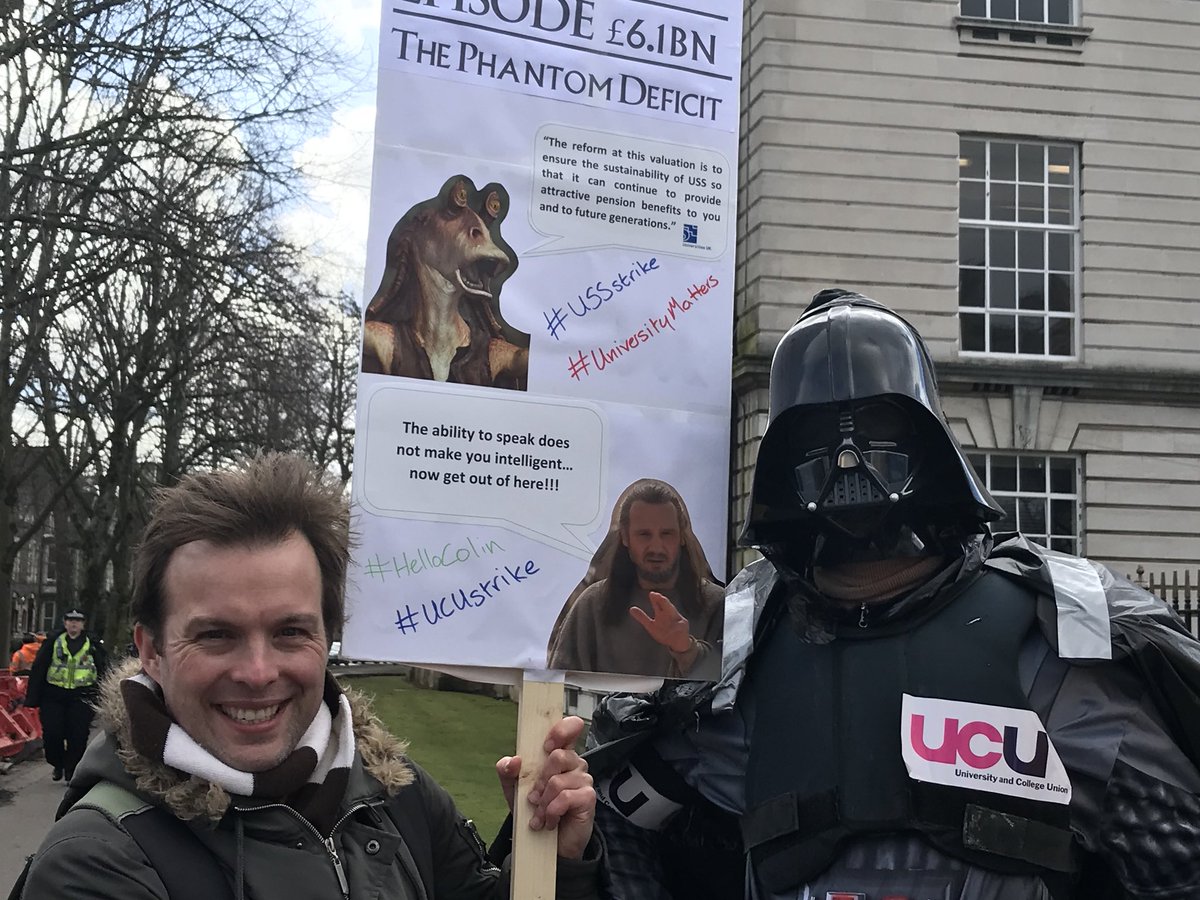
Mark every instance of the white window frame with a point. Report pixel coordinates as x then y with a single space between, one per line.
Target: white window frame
1069 543
995 307
990 5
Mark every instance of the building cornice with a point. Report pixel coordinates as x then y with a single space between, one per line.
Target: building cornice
1157 387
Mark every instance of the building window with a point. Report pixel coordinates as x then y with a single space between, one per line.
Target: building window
49 620
49 566
24 567
1018 247
1039 495
1043 12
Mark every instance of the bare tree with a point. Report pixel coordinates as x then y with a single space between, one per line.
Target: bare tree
335 352
145 152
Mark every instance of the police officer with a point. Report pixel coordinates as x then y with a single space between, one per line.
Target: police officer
916 708
62 686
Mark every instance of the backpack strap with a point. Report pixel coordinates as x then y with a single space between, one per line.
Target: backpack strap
188 870
18 887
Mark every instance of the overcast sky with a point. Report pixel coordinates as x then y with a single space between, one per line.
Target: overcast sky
333 222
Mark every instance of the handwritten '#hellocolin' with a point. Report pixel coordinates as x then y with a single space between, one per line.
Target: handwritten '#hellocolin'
424 558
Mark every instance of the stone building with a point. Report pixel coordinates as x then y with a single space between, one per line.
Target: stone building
1021 180
44 568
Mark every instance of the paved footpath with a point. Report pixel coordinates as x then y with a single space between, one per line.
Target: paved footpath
28 801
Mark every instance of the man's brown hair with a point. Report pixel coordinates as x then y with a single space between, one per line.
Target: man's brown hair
261 501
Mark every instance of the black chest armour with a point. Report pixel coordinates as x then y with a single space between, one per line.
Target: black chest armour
825 759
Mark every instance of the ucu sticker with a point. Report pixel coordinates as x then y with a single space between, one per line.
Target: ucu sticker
986 748
630 794
956 745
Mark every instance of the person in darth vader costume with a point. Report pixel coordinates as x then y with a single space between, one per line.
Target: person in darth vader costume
911 706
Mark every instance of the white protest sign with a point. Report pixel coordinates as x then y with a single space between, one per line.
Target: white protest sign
548 326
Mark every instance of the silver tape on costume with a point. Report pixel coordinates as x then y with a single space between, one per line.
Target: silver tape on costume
1079 597
745 598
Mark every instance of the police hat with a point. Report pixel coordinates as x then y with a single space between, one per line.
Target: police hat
74 614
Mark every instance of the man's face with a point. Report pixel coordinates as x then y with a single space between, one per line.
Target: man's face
653 539
243 649
74 627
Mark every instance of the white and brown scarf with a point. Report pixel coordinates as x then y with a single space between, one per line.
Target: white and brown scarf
312 779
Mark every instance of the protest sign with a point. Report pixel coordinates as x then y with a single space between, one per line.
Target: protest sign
550 284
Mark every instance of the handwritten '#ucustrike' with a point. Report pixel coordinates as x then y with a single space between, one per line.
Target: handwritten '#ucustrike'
460 599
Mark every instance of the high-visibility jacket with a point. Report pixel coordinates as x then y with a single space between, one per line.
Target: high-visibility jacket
71 671
23 658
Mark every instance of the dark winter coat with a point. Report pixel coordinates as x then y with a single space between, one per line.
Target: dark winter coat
272 853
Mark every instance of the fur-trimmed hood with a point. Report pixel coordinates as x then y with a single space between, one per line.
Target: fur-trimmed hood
382 757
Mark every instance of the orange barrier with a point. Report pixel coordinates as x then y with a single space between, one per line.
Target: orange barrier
18 725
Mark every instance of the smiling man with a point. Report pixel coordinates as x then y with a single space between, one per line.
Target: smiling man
241 658
654 613
235 757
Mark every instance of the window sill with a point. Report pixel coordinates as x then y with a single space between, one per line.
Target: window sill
1001 37
993 357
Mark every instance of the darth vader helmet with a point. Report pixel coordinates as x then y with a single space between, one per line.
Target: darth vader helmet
857 460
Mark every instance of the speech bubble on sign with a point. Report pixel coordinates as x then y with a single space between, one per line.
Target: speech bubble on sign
535 465
597 188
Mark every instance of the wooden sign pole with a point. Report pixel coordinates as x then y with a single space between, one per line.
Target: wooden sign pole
535 853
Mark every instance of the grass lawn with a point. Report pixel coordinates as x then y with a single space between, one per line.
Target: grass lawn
457 738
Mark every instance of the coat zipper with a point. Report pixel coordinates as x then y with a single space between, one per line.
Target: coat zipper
330 849
337 867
